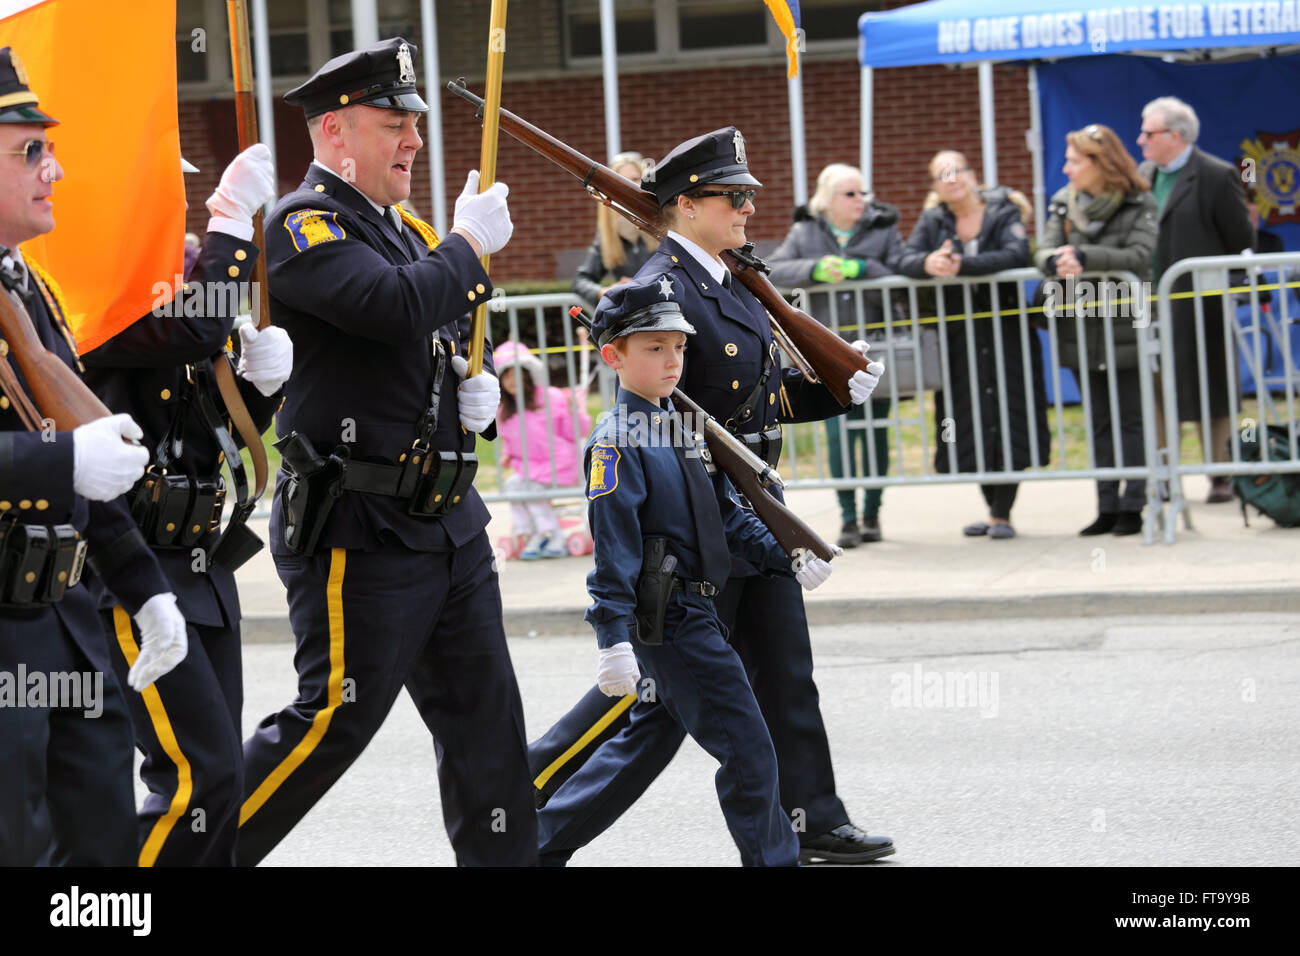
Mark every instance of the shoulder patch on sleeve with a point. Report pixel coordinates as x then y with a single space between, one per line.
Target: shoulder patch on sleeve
604 471
311 227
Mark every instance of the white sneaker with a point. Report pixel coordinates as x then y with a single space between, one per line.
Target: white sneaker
533 548
556 546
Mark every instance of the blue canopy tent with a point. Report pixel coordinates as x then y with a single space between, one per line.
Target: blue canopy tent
964 31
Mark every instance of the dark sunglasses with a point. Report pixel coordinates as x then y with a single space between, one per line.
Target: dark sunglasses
738 197
853 193
34 150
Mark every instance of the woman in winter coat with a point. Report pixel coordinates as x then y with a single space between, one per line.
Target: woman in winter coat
619 249
974 232
1104 220
843 233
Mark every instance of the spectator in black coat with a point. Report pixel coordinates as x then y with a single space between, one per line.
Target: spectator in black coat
975 232
619 249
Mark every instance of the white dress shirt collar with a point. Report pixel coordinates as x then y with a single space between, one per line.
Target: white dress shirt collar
714 267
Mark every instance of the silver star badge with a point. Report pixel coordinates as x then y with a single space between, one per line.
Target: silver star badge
665 287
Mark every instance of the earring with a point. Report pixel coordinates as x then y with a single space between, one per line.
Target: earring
690 216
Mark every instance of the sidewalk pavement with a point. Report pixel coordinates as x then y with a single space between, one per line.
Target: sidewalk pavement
925 570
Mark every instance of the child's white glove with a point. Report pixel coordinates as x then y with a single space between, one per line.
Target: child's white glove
616 672
809 570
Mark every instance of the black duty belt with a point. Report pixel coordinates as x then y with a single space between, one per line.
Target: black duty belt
705 588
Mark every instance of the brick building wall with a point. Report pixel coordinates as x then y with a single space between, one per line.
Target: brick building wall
918 111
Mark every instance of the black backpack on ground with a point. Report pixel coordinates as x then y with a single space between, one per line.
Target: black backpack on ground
1277 495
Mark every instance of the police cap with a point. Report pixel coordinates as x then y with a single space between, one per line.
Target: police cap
17 102
714 158
381 75
642 305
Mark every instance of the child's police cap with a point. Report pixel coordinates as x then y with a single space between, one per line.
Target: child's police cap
642 305
17 102
716 158
381 75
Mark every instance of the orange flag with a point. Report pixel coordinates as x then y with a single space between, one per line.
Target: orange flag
107 73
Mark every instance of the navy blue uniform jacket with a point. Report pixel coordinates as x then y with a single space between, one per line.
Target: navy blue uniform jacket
141 371
36 487
360 304
640 491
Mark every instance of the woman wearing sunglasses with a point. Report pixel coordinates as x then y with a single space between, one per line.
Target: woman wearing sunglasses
1103 220
975 232
843 233
706 196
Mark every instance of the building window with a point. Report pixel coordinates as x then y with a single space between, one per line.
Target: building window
288 37
191 65
634 27
397 18
711 25
833 20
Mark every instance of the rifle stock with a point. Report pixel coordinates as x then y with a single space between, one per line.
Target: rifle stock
56 390
821 354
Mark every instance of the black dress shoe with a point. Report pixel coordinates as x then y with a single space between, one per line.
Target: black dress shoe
1220 490
845 844
870 530
1127 522
849 535
1102 525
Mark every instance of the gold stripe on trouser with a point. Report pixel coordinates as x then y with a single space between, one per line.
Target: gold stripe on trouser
320 723
592 733
162 728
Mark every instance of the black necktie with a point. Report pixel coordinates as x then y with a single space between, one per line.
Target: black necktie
711 544
726 281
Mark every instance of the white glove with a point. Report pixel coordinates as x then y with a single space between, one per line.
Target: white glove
809 570
617 673
478 396
862 384
246 186
163 642
103 465
266 358
484 216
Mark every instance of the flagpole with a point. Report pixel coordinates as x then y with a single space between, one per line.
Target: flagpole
488 158
241 62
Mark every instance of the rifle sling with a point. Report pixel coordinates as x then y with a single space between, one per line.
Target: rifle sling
17 397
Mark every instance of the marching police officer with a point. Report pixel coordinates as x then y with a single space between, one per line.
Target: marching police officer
706 193
65 796
377 532
160 370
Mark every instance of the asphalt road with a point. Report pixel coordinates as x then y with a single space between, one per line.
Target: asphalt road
1112 741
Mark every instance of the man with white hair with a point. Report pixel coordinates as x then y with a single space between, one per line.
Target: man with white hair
1202 213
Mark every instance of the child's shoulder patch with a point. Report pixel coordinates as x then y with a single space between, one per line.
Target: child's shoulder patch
604 470
311 227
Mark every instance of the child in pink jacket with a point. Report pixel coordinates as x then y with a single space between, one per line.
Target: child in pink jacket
524 434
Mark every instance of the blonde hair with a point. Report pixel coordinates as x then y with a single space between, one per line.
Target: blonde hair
826 180
611 244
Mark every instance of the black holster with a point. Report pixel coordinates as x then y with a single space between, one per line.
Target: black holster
38 563
313 485
766 444
653 589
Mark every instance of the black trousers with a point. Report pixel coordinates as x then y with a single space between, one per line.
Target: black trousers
187 725
1000 498
368 624
1129 402
66 797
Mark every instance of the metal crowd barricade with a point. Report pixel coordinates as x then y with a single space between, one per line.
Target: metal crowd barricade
903 343
908 342
535 319
1209 278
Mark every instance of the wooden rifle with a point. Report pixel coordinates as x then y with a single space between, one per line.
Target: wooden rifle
750 474
815 350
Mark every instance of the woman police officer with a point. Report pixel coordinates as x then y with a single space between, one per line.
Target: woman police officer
706 195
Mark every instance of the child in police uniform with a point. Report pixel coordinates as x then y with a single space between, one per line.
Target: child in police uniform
647 478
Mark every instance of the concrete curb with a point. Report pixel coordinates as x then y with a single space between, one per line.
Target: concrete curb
265 629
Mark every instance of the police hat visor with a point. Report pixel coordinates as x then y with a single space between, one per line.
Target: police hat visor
27 115
660 317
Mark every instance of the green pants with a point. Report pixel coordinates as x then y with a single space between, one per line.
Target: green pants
858 460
